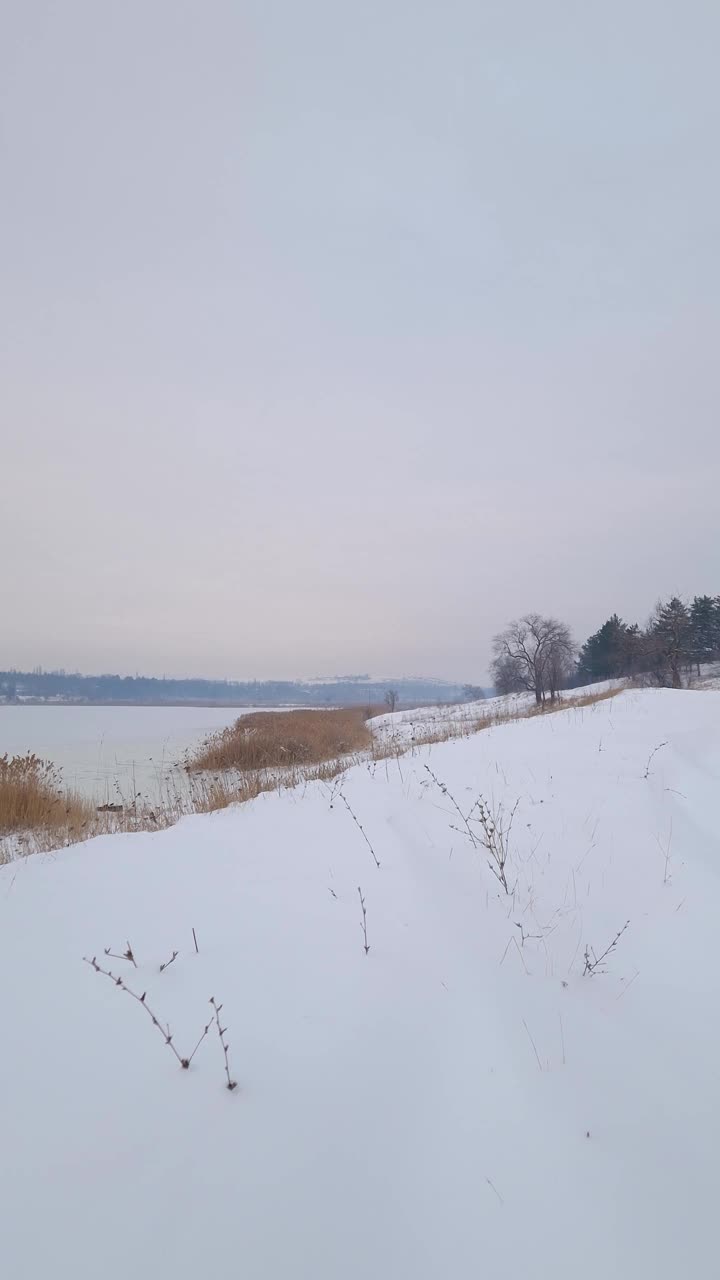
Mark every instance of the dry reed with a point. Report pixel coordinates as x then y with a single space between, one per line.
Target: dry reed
284 739
32 799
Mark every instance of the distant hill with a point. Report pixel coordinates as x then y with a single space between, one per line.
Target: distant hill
59 686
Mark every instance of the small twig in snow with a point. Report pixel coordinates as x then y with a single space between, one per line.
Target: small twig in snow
497 1193
364 920
197 949
202 1037
527 937
666 851
164 1031
537 1055
454 803
125 955
231 1084
359 825
654 752
585 855
512 941
593 962
622 993
174 956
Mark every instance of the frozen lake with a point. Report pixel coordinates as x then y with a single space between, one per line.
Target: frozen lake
111 753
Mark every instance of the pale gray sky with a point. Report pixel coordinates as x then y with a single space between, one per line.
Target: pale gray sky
335 334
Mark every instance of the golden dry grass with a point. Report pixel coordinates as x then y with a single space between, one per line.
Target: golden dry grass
33 800
284 739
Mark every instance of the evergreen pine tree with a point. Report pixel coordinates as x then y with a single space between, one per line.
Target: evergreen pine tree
609 652
671 632
705 626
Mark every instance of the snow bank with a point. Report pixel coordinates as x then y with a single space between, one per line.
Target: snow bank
459 1102
404 727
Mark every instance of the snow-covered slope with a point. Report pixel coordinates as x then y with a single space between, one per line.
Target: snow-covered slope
419 723
459 1102
709 677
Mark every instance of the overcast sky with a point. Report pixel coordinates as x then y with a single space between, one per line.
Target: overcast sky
334 334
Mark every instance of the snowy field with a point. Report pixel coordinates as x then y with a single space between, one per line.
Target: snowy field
110 753
460 1101
402 728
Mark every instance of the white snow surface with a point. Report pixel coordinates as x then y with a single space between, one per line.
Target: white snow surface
709 677
429 1110
404 727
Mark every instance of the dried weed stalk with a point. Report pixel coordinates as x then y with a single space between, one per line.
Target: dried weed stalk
595 964
364 920
231 1084
358 824
125 955
164 1031
495 838
447 792
653 753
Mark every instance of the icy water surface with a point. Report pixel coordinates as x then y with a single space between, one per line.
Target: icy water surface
111 753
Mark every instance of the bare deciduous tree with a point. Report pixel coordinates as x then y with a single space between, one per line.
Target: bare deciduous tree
533 653
392 698
507 676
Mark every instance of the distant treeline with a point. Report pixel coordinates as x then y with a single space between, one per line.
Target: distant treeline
63 687
538 654
678 636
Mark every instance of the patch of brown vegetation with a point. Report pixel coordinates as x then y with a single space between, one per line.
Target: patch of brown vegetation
284 739
32 800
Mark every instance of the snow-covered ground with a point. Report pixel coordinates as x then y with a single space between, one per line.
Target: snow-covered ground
418 723
709 677
459 1102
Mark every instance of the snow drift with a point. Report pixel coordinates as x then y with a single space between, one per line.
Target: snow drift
460 1101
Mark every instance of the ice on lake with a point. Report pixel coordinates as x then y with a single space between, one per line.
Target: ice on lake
112 753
